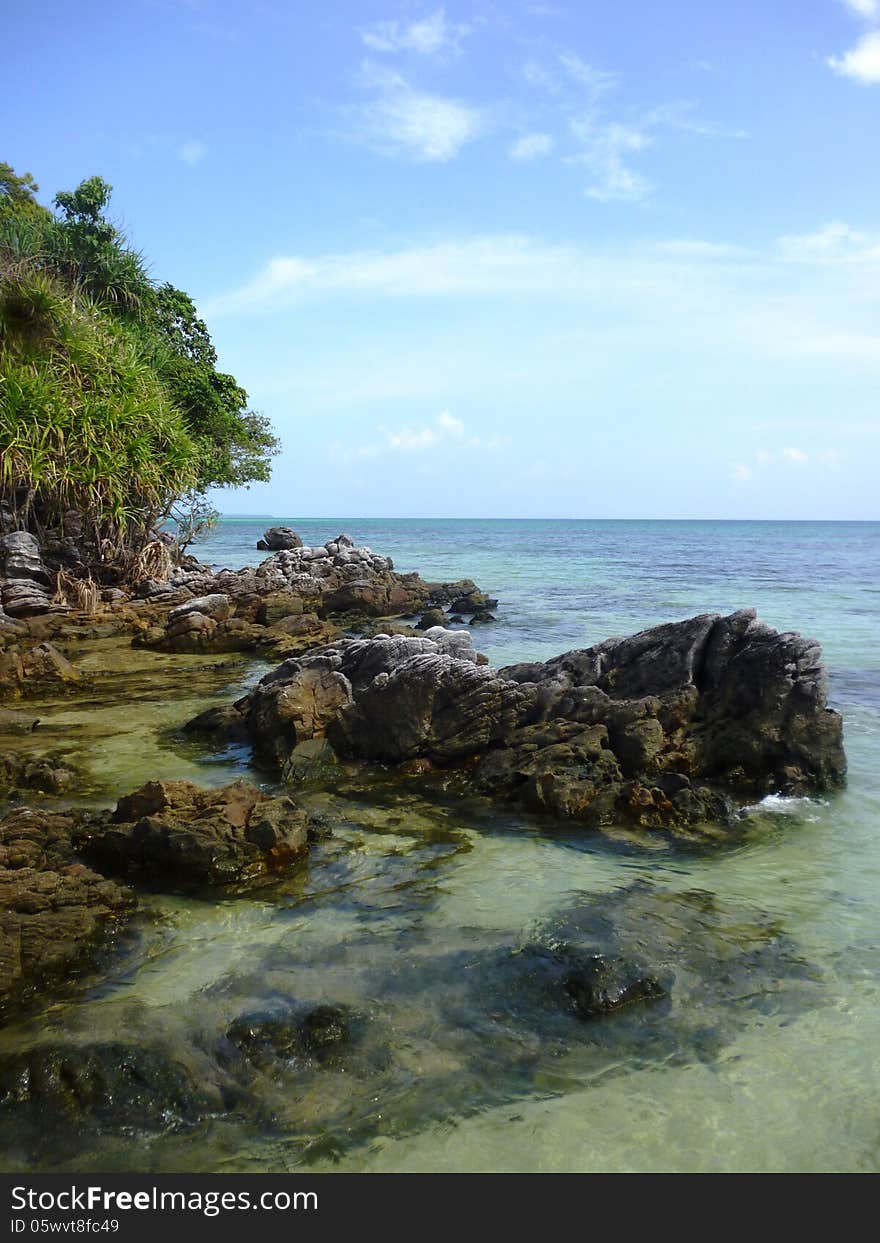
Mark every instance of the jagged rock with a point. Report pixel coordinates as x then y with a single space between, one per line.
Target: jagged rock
299 698
175 832
27 584
429 705
663 728
54 913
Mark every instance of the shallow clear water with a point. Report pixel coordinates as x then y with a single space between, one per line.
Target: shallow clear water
419 916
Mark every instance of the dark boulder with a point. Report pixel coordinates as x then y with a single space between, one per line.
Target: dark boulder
667 728
106 1087
601 986
301 1033
173 833
278 538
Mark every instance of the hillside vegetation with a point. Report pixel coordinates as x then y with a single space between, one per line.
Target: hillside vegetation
113 415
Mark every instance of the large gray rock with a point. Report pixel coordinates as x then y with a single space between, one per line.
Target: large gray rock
664 728
277 538
26 583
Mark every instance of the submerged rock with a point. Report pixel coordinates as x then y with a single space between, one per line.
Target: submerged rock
108 1087
178 833
45 774
304 1033
664 728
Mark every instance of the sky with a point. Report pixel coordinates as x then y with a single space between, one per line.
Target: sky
580 259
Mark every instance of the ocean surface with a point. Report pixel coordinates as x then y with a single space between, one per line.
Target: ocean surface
420 916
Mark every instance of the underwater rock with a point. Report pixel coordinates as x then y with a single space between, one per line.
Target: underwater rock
665 728
105 1087
306 1033
601 986
23 772
174 832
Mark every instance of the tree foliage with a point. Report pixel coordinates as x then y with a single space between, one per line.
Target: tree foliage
106 372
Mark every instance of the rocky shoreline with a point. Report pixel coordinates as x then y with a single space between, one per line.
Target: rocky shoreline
671 730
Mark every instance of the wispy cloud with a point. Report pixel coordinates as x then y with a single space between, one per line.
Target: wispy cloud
762 461
192 152
445 431
506 263
608 136
428 36
834 243
863 8
531 146
570 78
404 121
605 150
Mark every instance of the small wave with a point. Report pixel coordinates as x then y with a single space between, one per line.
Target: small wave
786 805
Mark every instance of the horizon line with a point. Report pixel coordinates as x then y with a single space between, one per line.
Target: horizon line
523 518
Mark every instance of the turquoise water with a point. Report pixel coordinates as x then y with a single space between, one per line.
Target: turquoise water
415 913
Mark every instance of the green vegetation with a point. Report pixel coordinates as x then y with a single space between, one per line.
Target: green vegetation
113 415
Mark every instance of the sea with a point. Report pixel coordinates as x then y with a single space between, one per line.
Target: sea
431 921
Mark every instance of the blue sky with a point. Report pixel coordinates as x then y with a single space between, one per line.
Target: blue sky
512 259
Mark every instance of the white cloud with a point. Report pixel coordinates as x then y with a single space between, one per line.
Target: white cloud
764 461
861 62
833 243
864 8
402 120
192 152
605 149
445 430
470 266
755 300
427 36
531 147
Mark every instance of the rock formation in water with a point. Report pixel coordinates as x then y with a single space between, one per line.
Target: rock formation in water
663 728
277 538
174 832
54 912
